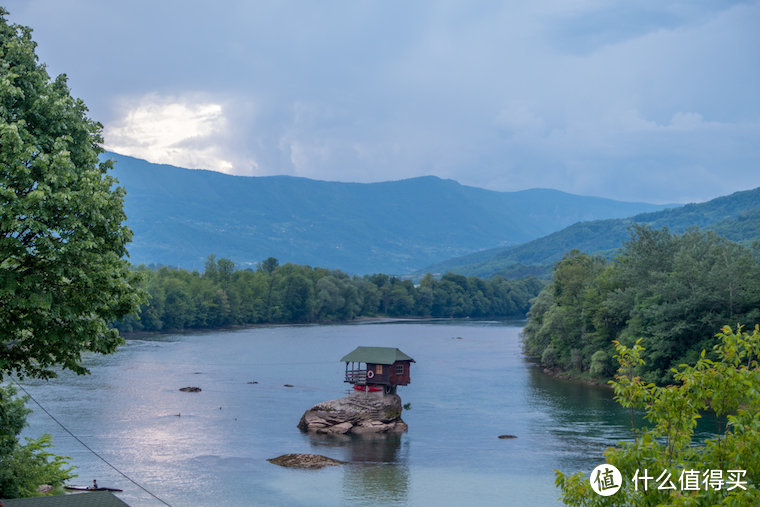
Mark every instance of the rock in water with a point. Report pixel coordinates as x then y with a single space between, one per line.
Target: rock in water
305 461
358 413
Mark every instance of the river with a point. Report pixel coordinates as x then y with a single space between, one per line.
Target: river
470 384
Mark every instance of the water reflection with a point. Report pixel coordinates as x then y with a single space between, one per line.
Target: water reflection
582 419
384 484
587 420
379 470
366 449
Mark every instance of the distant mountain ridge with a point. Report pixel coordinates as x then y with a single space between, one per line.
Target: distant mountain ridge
735 216
179 216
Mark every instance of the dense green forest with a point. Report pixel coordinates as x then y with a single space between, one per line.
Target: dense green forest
673 291
223 296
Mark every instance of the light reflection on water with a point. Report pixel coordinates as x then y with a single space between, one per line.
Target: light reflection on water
470 384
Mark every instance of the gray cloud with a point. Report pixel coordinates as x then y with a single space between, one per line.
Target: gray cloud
650 101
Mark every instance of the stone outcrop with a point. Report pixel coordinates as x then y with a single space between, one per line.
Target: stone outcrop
358 413
305 461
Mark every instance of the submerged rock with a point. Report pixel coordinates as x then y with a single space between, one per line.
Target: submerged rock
305 461
358 413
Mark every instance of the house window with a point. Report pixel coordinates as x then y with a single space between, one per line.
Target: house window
399 369
378 369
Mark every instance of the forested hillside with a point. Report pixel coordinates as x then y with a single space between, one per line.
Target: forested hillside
222 296
736 216
675 292
179 215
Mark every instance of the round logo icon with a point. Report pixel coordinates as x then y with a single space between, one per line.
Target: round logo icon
606 480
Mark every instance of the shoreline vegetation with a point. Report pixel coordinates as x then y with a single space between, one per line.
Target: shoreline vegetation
223 297
572 377
675 292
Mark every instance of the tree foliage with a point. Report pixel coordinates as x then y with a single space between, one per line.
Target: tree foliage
23 467
63 274
63 277
727 390
670 290
290 293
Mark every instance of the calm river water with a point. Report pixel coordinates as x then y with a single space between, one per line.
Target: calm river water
470 384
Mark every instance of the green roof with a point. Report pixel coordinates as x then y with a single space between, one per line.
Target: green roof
88 499
376 355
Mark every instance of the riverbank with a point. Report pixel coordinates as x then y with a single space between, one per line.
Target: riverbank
567 376
517 320
194 330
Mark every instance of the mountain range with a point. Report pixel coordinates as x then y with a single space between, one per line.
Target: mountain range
180 216
735 216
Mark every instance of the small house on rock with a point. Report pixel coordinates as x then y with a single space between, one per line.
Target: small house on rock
377 369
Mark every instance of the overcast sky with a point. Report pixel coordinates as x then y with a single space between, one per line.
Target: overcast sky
653 101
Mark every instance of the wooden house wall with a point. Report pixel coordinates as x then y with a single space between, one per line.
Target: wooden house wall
379 378
399 379
387 376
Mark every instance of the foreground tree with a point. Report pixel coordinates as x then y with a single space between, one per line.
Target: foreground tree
63 275
724 469
23 468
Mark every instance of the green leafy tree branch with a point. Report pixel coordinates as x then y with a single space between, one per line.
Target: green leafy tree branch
727 388
64 277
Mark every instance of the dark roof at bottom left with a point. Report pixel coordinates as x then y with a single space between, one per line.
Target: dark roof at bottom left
87 499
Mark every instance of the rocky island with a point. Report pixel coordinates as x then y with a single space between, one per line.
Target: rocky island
373 405
310 461
358 413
